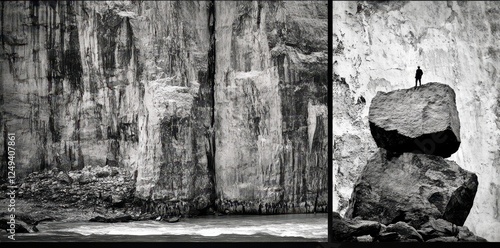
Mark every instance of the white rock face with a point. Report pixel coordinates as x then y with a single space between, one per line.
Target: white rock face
378 46
88 84
270 117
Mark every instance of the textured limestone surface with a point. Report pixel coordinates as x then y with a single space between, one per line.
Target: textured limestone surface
412 188
200 100
88 84
270 103
418 120
377 47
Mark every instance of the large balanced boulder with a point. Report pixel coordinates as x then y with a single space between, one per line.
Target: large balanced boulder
418 120
411 188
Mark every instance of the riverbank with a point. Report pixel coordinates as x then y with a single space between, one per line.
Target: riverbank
213 228
106 195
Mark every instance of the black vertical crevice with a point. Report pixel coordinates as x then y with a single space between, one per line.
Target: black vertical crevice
259 10
71 57
54 73
282 177
212 57
210 134
3 162
304 180
2 24
316 201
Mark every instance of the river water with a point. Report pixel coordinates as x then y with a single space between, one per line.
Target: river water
247 228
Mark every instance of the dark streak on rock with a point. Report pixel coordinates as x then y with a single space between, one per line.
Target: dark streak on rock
210 135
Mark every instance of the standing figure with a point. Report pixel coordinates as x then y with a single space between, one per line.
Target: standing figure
418 76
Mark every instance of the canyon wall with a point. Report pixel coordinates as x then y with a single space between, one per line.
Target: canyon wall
201 101
271 114
377 46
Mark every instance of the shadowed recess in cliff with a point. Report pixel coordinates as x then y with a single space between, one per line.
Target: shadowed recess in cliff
114 52
210 148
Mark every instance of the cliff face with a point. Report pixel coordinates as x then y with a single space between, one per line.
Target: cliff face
377 47
200 100
107 83
270 125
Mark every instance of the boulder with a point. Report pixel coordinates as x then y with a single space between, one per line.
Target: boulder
443 226
201 202
348 230
405 231
422 120
122 218
443 239
364 238
465 235
429 233
437 228
117 200
85 178
173 220
24 223
20 226
388 237
412 188
145 216
64 178
114 172
104 173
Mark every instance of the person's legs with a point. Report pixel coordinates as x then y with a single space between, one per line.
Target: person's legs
420 82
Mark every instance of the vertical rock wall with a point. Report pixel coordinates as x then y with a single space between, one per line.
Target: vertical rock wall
110 83
198 99
378 46
271 103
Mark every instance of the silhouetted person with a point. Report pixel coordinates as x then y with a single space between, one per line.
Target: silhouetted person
418 76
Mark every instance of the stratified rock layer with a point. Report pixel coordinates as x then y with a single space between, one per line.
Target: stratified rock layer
412 188
419 120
